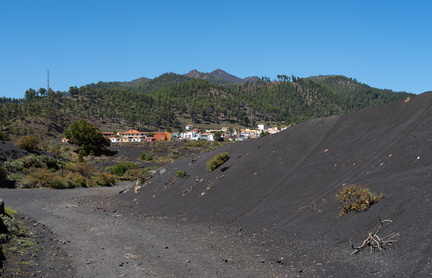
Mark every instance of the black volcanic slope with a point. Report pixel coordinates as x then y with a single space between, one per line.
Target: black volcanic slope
282 187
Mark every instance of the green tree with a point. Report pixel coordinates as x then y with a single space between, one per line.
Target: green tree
218 136
86 136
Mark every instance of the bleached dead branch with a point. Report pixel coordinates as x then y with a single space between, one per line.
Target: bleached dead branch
374 241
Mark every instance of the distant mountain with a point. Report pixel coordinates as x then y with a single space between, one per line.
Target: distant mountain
220 76
143 84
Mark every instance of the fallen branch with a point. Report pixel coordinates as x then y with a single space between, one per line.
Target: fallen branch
374 241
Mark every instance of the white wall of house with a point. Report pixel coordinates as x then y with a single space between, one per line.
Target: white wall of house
208 137
191 135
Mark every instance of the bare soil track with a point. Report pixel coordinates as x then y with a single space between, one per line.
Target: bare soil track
86 235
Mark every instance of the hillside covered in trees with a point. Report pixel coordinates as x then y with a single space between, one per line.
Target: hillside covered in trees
170 101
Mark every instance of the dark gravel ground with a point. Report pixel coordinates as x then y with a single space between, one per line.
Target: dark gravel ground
92 235
281 189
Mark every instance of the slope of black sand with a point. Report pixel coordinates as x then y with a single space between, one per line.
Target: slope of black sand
279 191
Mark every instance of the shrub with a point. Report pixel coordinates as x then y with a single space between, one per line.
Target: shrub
3 173
16 165
141 174
33 161
104 179
356 198
182 174
4 136
28 142
76 180
83 168
146 156
81 154
41 161
217 161
45 178
120 168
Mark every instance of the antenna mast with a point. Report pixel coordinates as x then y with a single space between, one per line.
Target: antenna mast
48 86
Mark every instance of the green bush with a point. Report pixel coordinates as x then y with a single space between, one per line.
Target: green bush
3 173
121 168
33 161
217 161
16 165
356 198
182 174
146 156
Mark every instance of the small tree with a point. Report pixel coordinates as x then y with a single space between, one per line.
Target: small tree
86 136
28 142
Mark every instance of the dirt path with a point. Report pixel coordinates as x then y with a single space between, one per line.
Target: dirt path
102 239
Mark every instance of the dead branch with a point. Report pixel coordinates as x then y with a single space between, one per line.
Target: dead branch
374 241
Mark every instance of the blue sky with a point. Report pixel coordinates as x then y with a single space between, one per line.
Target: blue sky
385 44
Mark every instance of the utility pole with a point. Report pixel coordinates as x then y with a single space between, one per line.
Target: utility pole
48 80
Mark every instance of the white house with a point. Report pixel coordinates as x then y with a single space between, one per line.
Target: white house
208 136
191 135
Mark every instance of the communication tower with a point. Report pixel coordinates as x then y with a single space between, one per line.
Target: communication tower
48 86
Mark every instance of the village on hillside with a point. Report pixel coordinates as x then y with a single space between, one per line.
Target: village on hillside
191 133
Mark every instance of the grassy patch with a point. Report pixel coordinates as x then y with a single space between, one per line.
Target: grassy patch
182 174
16 243
217 161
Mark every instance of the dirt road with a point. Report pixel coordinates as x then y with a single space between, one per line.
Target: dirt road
105 239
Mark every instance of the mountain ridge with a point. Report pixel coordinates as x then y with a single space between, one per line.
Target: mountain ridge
220 76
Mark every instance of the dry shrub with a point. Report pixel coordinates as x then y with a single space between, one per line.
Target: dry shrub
45 178
356 198
28 142
84 168
76 180
104 179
